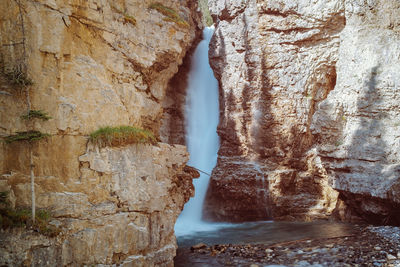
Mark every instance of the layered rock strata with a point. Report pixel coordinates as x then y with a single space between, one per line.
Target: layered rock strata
357 127
275 61
308 109
93 64
121 209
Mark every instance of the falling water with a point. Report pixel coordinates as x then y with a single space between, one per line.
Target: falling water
202 114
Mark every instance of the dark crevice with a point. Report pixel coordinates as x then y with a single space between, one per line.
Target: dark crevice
172 130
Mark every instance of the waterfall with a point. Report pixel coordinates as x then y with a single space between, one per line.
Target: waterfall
202 115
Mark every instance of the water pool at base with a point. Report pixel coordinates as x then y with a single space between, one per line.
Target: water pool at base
267 232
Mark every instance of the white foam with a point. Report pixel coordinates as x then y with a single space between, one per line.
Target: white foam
202 116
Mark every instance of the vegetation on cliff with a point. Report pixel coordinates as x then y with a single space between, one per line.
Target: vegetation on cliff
25 136
17 77
121 135
36 114
11 218
170 14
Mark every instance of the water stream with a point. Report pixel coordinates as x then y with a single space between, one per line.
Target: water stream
202 116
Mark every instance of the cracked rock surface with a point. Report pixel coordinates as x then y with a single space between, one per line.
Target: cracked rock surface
309 110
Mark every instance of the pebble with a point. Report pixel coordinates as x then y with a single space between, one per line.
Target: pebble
268 250
362 249
198 246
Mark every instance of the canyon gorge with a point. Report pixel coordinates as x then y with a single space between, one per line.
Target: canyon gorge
309 120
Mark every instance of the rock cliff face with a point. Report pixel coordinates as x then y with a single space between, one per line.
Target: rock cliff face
93 64
309 109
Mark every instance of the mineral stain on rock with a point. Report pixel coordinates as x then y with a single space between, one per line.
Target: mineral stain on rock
309 96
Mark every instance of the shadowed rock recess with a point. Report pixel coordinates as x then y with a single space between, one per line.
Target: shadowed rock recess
310 117
93 64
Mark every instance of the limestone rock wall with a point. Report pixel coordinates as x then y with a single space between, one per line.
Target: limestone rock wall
309 105
275 61
93 64
121 209
357 126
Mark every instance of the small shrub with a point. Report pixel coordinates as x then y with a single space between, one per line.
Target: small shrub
122 135
11 218
14 218
17 77
170 14
43 215
129 19
26 136
36 114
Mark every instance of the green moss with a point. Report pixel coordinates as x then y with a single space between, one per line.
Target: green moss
36 114
26 136
122 135
130 19
339 142
206 15
17 77
12 218
170 14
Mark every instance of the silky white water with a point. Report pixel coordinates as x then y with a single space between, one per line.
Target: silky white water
202 115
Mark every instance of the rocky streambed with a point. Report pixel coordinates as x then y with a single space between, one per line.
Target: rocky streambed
363 246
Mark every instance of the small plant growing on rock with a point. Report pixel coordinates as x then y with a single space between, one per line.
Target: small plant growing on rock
11 218
170 14
122 135
36 114
25 136
17 77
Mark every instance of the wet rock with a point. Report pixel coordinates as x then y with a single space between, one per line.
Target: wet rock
198 246
356 250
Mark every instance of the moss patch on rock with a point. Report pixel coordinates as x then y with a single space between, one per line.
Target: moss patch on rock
170 14
36 114
26 136
121 135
